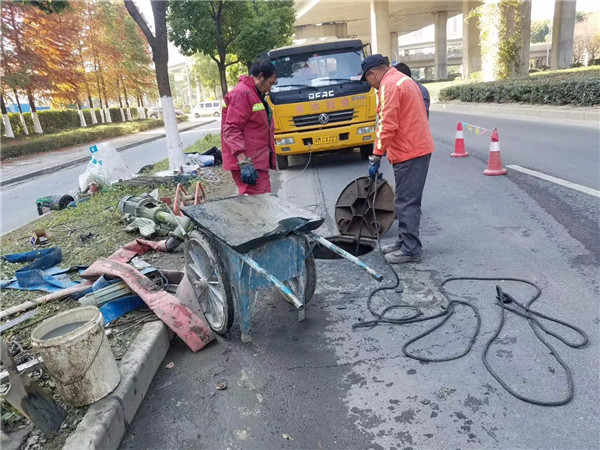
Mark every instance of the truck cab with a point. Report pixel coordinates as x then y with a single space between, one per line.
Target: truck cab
319 102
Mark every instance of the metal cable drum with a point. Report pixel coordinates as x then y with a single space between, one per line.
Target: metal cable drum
355 205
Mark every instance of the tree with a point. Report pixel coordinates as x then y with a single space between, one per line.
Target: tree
205 70
540 30
586 40
270 26
209 27
160 56
230 31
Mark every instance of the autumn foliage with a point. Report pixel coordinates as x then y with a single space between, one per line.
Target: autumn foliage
90 54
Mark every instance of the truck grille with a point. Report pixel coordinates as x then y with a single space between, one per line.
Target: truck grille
313 119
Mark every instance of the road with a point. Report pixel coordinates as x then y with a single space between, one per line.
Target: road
319 384
21 197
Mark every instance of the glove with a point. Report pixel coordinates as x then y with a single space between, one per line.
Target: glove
374 163
249 173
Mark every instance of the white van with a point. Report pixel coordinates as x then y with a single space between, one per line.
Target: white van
212 108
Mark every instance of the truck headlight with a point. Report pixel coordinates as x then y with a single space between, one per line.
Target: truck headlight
284 141
365 130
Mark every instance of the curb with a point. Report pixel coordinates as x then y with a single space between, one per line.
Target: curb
83 159
512 110
107 420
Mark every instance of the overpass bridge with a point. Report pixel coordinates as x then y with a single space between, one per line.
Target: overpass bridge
381 22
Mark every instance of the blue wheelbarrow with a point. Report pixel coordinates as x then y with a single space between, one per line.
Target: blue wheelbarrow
243 244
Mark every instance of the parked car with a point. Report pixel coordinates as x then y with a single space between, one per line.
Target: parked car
212 108
155 113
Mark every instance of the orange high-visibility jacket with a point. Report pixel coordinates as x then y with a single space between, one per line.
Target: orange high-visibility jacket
402 130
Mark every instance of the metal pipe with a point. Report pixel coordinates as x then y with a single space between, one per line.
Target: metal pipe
286 291
344 254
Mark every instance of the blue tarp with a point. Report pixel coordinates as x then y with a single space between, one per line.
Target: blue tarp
43 274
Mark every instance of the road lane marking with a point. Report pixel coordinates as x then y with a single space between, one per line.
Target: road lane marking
555 180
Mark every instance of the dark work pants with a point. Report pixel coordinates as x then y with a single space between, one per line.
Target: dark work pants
410 180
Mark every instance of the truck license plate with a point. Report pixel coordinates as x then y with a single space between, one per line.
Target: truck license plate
326 139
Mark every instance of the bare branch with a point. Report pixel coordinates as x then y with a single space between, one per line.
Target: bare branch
135 15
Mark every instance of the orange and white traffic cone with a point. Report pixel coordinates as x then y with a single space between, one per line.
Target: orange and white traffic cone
495 161
459 143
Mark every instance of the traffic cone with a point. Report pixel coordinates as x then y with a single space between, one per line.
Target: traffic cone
459 143
495 161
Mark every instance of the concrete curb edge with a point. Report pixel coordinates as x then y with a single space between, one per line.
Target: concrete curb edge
74 162
510 110
107 420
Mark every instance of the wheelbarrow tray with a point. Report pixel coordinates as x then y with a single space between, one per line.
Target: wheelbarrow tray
246 222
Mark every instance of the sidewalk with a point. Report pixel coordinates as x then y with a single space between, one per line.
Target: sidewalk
18 169
585 115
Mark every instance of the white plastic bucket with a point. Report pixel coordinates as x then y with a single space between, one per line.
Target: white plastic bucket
77 355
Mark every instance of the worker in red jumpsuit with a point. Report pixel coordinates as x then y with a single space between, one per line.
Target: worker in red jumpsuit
247 130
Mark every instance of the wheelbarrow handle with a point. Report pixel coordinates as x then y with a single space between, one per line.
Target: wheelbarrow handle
344 254
286 291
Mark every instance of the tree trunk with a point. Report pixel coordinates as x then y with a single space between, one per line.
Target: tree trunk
120 100
106 108
160 56
23 123
87 87
37 126
8 131
128 111
81 116
141 109
99 91
223 78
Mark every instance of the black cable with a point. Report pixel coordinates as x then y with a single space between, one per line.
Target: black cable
502 299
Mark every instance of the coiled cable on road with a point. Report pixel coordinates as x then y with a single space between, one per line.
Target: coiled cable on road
504 300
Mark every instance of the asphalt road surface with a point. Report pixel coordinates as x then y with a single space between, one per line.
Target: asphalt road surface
18 201
319 384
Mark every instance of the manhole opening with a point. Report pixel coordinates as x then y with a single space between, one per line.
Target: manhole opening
345 243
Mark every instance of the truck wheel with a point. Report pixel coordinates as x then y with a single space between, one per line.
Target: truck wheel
282 162
366 151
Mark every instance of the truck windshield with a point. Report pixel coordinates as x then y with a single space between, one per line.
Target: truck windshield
317 69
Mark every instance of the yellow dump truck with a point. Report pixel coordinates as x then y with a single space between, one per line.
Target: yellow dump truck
319 102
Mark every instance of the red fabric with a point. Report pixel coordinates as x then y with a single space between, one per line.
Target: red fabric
263 184
246 131
192 329
137 247
403 130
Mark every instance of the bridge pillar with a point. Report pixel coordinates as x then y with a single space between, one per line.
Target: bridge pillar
380 27
471 54
563 28
525 11
441 52
337 29
394 56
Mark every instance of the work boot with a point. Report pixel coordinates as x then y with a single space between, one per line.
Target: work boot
399 257
389 248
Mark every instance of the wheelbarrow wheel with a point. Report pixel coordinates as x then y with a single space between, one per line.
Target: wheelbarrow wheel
210 281
311 279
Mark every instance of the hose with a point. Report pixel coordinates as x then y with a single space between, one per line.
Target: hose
507 304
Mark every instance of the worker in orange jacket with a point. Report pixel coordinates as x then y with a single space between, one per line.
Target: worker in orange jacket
403 134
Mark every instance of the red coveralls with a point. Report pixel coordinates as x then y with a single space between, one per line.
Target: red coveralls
247 127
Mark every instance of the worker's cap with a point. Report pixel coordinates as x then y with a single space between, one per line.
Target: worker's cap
371 62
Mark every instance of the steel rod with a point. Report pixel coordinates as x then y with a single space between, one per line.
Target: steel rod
344 254
286 291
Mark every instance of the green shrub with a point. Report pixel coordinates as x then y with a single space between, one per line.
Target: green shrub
33 144
566 87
